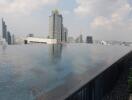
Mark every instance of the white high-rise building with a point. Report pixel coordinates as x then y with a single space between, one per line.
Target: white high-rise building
56 26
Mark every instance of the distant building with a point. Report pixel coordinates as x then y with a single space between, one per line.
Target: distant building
103 42
4 30
56 28
30 35
6 34
70 40
56 25
89 39
79 39
64 35
8 38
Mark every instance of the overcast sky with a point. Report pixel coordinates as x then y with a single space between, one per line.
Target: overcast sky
103 19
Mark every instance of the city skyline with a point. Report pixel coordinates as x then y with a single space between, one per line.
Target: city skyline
81 17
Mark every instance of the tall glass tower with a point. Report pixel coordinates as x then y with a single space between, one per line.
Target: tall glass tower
4 30
64 34
6 34
56 26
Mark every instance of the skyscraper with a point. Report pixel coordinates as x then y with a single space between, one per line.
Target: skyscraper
56 26
8 37
89 39
4 30
65 34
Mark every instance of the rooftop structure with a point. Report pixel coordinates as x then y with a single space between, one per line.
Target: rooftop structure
40 40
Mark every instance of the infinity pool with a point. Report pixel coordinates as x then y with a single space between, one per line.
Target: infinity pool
29 71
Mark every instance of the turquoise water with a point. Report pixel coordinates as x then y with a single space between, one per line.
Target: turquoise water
27 71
